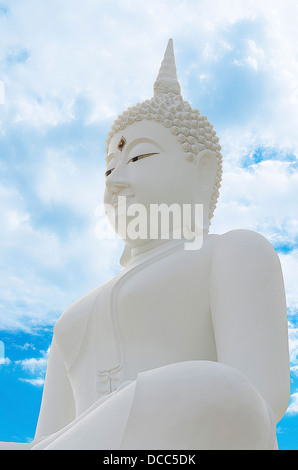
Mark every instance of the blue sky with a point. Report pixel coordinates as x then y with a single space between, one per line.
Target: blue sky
68 68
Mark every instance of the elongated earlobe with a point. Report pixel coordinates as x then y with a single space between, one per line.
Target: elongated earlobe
207 171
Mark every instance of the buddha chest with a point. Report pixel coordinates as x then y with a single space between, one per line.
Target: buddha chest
163 314
154 313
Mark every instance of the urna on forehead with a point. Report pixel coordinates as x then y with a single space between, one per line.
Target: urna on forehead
193 132
141 132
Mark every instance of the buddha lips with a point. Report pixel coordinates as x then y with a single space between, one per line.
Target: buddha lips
177 222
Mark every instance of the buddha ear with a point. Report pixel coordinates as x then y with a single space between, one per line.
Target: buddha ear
207 171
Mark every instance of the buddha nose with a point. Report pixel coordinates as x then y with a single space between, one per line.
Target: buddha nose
115 183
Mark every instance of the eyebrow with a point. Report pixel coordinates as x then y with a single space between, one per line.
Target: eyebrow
110 157
141 141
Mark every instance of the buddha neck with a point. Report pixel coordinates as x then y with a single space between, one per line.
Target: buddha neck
135 255
152 245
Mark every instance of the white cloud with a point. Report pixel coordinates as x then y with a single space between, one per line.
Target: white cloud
26 346
289 264
265 195
64 181
81 47
5 361
293 348
37 278
39 382
293 406
35 366
255 56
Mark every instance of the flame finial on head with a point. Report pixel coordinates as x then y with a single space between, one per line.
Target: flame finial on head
167 81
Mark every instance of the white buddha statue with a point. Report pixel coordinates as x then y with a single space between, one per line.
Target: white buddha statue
185 348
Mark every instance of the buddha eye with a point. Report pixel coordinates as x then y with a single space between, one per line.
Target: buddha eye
139 157
107 173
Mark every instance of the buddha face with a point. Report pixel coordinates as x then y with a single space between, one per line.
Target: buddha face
146 165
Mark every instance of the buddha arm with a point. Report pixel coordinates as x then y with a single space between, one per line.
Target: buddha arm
249 314
57 407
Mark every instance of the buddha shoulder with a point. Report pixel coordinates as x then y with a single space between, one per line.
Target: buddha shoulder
81 306
243 250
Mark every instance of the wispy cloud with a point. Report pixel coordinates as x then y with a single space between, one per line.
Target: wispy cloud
35 382
293 346
36 367
4 361
293 406
33 365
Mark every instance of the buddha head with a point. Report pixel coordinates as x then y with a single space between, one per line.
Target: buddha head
163 150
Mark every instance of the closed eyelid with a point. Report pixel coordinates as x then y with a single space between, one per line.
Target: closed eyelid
140 157
110 163
108 172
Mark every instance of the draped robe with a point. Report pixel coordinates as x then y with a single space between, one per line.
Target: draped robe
156 316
